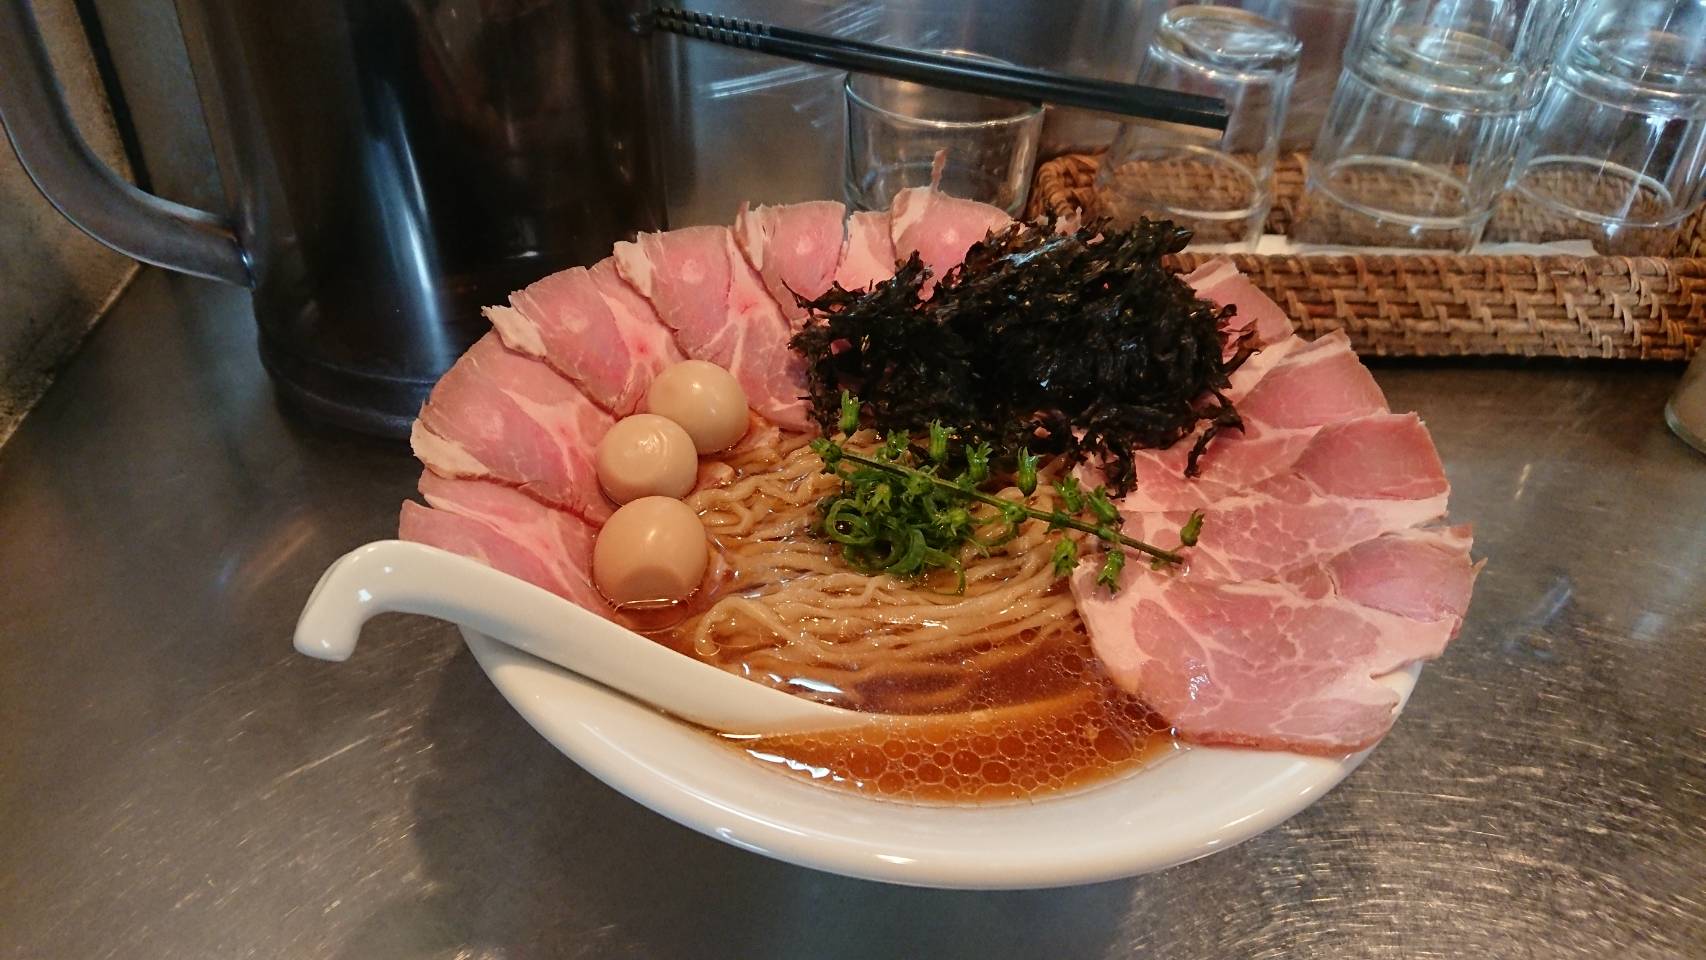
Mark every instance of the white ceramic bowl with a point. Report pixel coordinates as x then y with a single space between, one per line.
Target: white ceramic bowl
1194 803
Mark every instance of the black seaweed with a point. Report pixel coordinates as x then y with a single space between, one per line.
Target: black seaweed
1036 336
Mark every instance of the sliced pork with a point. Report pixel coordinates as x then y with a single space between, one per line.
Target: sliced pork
1313 574
1418 573
704 290
1287 664
1285 394
868 257
1317 383
508 531
939 228
565 321
1220 283
640 325
1353 481
795 249
500 416
1250 373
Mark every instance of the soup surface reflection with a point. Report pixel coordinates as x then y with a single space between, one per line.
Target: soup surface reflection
1046 723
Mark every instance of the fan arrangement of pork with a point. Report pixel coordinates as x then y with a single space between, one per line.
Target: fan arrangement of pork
1052 507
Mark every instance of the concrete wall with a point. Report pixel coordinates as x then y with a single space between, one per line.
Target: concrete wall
54 281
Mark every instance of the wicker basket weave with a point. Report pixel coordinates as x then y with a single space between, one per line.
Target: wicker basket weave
1650 308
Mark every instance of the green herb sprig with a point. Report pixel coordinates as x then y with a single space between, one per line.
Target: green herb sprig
895 513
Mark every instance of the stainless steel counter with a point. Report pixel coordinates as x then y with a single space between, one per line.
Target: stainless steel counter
176 783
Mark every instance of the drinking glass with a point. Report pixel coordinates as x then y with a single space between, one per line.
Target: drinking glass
895 128
1324 29
1422 131
1618 150
1219 185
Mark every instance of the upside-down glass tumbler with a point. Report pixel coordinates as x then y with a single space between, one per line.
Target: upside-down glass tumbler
1423 129
1618 150
1219 185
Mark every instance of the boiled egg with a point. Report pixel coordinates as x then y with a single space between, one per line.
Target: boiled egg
646 455
651 550
705 399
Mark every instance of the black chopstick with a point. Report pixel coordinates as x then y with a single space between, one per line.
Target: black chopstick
945 71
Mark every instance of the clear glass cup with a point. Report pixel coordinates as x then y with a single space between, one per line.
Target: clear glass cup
1219 185
1324 29
1618 150
895 128
1422 131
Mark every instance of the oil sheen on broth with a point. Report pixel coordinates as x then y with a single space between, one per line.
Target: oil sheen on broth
995 695
1048 724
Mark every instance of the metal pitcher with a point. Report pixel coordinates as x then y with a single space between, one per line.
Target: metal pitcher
391 166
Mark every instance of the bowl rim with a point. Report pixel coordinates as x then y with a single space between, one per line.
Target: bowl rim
1197 802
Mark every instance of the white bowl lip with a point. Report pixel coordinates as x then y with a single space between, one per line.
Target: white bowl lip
605 733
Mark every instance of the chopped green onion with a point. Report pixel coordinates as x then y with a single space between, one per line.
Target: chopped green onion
894 514
828 450
849 412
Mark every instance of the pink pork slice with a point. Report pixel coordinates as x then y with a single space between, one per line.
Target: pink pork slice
633 313
795 248
508 531
1284 664
565 321
1354 481
940 228
868 258
497 415
704 290
1285 395
1220 283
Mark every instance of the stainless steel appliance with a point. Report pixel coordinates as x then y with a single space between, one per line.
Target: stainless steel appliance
391 166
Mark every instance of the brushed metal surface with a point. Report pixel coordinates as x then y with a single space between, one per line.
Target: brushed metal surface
175 782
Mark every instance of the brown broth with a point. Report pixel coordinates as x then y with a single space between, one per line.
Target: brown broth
1043 724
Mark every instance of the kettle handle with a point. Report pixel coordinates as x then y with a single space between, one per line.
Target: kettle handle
86 190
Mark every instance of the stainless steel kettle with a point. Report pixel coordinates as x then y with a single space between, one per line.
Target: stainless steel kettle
391 165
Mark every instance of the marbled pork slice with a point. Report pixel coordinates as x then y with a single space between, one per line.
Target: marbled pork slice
704 290
508 531
1285 394
1220 282
794 247
868 258
1354 481
1284 664
497 415
565 322
939 228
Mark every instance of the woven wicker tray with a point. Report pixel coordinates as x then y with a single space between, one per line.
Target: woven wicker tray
1649 308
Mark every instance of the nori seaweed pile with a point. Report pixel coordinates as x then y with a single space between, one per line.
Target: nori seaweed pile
1035 338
